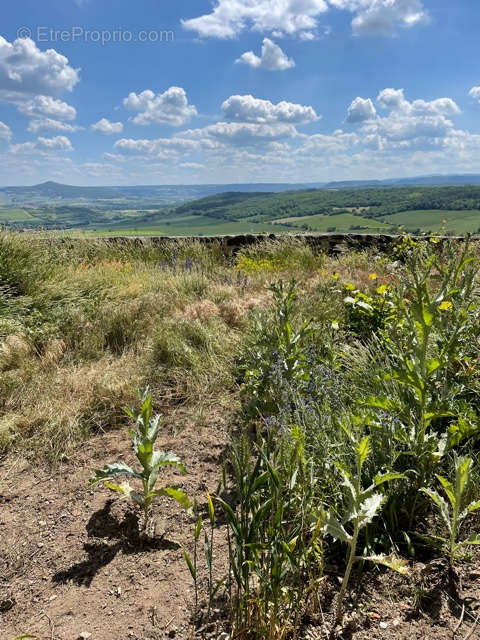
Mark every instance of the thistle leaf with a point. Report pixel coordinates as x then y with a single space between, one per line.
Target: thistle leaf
176 494
111 470
333 527
400 565
363 450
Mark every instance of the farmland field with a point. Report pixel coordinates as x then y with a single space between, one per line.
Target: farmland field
340 222
15 215
459 222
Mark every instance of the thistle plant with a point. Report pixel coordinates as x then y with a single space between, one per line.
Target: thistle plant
362 505
453 515
143 443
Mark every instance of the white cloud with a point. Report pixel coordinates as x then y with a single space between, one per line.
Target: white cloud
191 165
272 58
361 110
107 127
5 132
25 71
381 17
42 145
48 124
60 143
46 106
301 17
475 93
171 107
249 109
244 133
395 100
230 17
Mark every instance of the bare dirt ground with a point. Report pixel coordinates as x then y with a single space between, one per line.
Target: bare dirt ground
72 564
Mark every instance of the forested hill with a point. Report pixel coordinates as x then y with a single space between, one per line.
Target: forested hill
370 202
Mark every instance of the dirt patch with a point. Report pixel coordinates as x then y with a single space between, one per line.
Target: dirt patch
72 561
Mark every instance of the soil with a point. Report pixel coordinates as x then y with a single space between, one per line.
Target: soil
72 562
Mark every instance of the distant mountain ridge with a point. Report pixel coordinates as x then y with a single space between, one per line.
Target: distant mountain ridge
51 189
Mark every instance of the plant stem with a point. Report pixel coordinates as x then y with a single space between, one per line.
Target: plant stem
348 571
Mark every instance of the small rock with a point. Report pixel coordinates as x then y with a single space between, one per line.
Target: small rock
6 605
40 545
42 523
84 635
383 625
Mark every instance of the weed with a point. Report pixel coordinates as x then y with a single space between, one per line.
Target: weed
143 443
454 516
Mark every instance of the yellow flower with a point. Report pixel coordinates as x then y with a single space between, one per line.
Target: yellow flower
335 275
382 289
349 286
372 276
445 305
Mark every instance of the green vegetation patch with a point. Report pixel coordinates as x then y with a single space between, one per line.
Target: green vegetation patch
339 222
458 221
15 215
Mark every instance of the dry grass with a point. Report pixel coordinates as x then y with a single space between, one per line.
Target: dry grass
85 324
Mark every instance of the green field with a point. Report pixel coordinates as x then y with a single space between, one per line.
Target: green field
14 215
457 221
341 222
187 226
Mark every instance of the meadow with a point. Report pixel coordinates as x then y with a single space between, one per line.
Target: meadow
314 472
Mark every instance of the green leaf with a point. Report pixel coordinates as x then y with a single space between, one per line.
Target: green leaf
189 562
400 565
449 490
474 506
474 538
441 504
165 459
333 527
363 450
211 509
381 478
115 469
176 494
377 402
432 365
462 476
198 528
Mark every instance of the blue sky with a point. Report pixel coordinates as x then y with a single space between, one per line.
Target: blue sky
212 91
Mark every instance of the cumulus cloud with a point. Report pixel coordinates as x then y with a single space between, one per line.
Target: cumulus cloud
245 133
46 106
409 124
381 17
395 100
361 110
271 59
5 132
230 17
25 71
171 107
60 143
301 17
249 109
107 127
42 145
475 93
48 124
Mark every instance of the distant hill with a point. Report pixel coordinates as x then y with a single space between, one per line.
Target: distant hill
175 194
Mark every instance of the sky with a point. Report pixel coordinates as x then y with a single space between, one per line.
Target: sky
106 92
